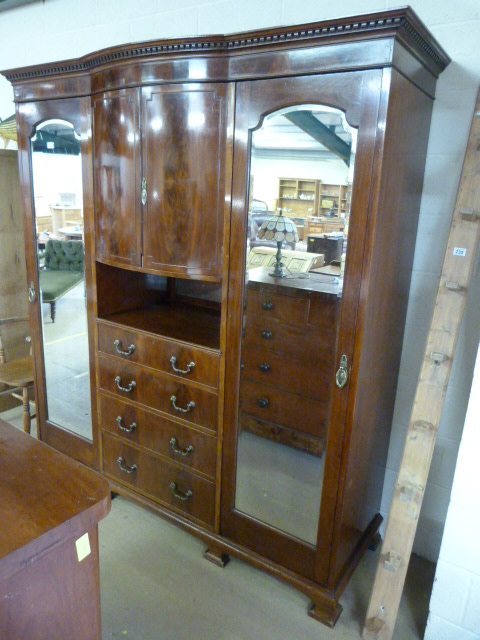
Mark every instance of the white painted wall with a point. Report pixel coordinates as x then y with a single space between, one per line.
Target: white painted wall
62 29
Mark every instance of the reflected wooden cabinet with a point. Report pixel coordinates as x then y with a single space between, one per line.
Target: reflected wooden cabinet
288 365
160 206
310 198
298 198
251 410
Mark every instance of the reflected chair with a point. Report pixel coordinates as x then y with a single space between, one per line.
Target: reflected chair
17 378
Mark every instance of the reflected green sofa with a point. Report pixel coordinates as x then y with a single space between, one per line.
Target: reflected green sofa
62 269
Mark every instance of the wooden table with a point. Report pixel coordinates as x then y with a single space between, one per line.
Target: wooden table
50 507
71 233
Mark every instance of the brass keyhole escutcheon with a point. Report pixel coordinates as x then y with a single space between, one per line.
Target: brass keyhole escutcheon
32 296
342 373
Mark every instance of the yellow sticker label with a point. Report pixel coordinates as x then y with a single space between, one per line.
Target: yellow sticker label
83 547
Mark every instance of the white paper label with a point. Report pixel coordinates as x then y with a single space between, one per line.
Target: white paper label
83 547
460 251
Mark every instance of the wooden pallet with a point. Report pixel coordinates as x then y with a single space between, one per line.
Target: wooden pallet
429 398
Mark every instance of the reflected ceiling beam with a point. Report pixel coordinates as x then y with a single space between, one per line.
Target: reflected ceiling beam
307 122
62 144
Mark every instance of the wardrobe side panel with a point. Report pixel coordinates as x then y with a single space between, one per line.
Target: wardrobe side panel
390 245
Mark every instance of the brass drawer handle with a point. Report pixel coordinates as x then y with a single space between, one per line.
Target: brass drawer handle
118 347
267 305
342 373
128 389
182 452
190 405
177 494
129 429
263 403
190 366
267 335
124 467
265 367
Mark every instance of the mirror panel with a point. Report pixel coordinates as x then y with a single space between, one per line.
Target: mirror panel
58 208
301 174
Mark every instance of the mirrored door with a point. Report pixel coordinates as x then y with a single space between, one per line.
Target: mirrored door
301 175
59 228
55 156
300 199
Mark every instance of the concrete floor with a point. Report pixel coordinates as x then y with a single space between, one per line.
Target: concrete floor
155 584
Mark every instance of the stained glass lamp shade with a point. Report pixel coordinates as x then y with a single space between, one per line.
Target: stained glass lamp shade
279 229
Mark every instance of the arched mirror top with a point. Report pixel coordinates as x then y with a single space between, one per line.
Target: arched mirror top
315 108
71 112
55 136
306 128
328 92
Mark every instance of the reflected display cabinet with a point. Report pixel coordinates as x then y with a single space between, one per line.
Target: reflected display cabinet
250 406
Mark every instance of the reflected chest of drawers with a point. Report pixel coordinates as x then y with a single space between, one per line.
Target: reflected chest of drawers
288 361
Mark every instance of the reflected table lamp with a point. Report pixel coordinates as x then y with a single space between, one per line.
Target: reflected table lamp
280 229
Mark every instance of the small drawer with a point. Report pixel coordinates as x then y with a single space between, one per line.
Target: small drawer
159 479
179 443
159 391
269 403
305 343
179 359
268 304
309 379
324 314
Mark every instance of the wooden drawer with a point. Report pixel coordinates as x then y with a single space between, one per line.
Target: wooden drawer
156 433
268 304
323 314
156 352
288 409
156 390
306 344
155 478
310 379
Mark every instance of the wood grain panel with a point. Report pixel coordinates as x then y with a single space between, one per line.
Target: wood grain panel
116 157
183 216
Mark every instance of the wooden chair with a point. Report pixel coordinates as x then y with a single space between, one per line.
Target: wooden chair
17 377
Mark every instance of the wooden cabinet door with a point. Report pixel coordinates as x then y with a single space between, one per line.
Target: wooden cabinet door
184 163
117 156
257 487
